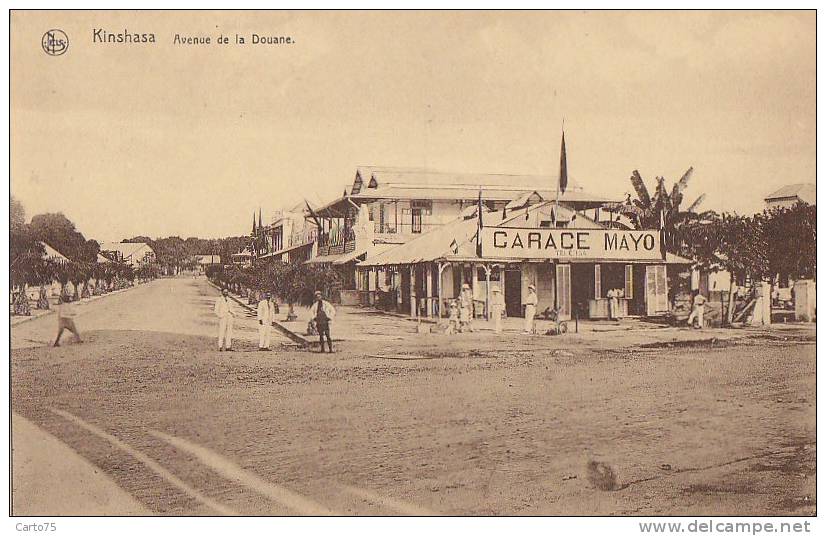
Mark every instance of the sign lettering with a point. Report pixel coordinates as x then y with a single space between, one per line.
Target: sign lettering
510 242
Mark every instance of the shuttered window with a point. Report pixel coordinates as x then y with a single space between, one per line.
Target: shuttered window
629 280
597 281
656 290
563 287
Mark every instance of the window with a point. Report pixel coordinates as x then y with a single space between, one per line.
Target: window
425 206
416 220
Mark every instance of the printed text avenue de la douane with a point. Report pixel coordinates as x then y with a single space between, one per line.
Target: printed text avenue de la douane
129 37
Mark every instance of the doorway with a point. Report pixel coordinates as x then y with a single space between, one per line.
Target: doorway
513 292
405 289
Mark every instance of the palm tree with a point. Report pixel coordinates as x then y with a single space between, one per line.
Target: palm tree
78 274
63 274
662 211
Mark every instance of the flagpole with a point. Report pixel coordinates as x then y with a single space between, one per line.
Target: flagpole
556 210
559 179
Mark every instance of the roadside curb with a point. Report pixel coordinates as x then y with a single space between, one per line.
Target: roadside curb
82 301
295 337
41 461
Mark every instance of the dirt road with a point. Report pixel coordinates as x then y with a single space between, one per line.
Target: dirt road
486 425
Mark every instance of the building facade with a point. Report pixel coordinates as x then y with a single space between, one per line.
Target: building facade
135 254
574 262
791 194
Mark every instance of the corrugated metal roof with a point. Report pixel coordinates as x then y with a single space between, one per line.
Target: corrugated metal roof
127 249
805 191
436 244
341 258
52 253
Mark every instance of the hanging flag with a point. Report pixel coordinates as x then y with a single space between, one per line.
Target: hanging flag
662 232
563 167
454 247
504 212
479 211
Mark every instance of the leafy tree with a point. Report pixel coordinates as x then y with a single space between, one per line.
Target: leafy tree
59 232
791 240
63 274
138 240
17 214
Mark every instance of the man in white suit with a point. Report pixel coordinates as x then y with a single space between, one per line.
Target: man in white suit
265 319
225 319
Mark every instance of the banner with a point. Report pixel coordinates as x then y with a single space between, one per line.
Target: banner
583 244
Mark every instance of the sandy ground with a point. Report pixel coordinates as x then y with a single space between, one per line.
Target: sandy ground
475 424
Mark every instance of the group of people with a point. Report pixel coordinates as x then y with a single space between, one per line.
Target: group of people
322 312
461 311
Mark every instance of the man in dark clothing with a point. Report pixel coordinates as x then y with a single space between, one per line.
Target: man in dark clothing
323 312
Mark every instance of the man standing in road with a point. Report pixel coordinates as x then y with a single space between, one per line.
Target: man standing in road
66 320
323 312
265 319
466 309
697 311
225 319
530 308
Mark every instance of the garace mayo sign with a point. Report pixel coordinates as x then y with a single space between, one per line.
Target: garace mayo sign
510 242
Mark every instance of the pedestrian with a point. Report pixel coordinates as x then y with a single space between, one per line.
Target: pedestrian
323 312
530 308
612 304
225 320
265 318
497 308
66 320
466 309
697 310
452 318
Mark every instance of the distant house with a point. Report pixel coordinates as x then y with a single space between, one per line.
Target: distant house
136 254
242 258
52 254
207 260
791 194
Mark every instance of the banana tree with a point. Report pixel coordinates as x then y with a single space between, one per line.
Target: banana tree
662 211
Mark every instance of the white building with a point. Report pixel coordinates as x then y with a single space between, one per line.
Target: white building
791 194
136 254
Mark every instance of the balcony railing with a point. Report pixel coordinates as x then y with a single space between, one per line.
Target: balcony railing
406 228
336 242
307 236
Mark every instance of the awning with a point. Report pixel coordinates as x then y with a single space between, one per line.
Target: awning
671 258
447 241
342 258
350 257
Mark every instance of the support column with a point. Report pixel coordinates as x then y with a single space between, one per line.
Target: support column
487 291
414 310
440 267
473 284
428 289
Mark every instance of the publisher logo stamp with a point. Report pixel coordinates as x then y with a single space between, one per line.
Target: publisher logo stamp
55 42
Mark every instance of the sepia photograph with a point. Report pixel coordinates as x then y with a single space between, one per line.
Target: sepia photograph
475 263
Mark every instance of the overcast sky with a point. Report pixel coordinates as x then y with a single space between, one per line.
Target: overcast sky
182 140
